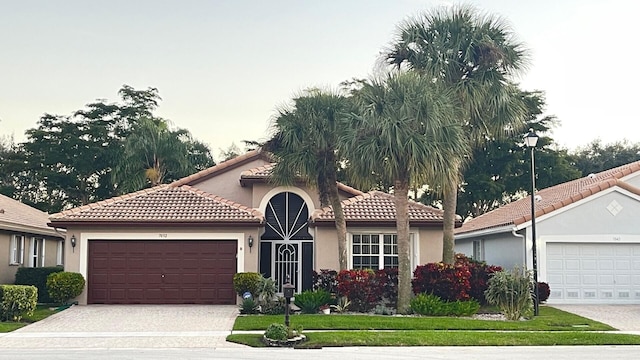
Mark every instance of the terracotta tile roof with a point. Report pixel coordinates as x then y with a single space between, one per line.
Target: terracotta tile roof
552 198
221 167
263 173
376 206
16 216
163 204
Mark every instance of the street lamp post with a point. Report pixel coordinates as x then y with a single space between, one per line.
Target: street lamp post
531 140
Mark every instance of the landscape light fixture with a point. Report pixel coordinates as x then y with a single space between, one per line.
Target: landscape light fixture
531 139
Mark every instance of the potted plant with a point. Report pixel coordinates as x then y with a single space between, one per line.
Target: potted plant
325 309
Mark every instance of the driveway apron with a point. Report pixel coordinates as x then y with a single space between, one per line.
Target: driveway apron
129 326
625 318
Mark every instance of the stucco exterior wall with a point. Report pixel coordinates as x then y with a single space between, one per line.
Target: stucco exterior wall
593 217
76 259
326 248
430 249
227 184
8 270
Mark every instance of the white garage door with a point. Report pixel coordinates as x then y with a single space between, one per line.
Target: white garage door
593 273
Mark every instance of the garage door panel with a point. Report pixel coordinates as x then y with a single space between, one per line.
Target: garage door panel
607 273
130 271
589 264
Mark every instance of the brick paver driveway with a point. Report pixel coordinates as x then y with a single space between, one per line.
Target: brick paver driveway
625 318
128 326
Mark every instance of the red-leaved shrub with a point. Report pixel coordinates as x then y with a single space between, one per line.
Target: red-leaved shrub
449 282
361 288
387 281
543 291
480 273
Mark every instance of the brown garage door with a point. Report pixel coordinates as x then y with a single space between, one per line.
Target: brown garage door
161 272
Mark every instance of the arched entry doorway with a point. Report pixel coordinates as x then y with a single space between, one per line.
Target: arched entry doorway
286 247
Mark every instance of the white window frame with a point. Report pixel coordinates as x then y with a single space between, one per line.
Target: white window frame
60 253
36 252
478 250
16 251
381 247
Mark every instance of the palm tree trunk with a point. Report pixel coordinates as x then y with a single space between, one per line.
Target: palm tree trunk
449 204
341 227
401 193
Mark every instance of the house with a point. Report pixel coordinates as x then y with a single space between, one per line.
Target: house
183 242
26 240
588 237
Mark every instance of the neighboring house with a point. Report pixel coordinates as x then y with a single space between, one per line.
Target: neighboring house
183 242
26 240
588 237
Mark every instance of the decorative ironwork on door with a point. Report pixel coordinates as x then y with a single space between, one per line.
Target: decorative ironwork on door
287 264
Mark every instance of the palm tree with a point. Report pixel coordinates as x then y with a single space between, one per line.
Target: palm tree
406 133
475 55
305 147
153 154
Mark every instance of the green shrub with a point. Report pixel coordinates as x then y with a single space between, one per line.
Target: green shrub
431 305
510 291
17 301
428 305
273 307
277 331
309 301
249 306
38 278
281 332
266 289
247 282
64 286
463 308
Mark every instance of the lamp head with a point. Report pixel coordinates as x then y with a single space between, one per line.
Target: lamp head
531 139
250 241
73 241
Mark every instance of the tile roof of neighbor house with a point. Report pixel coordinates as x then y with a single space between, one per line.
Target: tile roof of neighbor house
376 206
553 198
16 216
162 204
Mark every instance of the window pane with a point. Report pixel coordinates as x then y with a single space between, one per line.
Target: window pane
356 239
366 249
375 239
356 249
390 262
366 239
375 249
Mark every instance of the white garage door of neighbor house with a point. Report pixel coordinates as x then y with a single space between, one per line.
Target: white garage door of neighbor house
593 273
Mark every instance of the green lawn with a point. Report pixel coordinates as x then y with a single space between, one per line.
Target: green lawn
41 312
448 338
552 327
550 319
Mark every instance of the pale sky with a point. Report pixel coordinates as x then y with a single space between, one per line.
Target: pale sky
223 67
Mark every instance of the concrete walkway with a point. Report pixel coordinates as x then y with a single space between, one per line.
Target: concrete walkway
129 326
625 318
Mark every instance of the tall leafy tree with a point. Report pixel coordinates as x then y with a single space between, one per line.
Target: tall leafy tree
68 160
475 55
596 156
154 154
305 145
499 169
406 133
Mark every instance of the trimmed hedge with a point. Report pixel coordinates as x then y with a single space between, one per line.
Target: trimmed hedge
64 286
17 301
38 278
247 282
